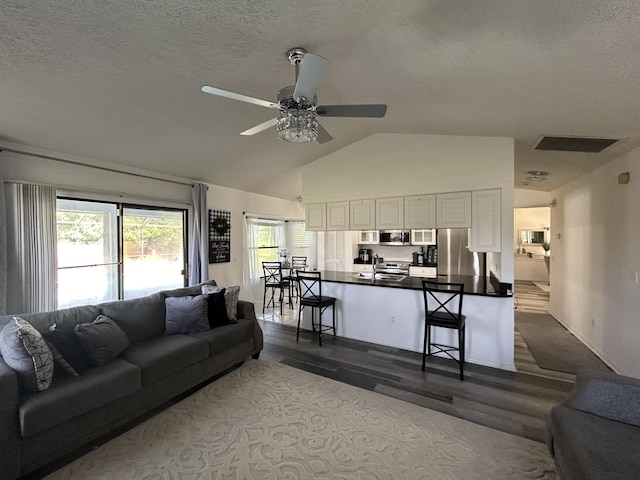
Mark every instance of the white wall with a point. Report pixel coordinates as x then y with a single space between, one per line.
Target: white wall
120 184
593 265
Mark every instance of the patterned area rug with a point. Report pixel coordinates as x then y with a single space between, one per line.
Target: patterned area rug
269 421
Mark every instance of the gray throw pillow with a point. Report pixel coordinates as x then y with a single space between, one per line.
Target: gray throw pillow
186 314
25 351
231 295
103 340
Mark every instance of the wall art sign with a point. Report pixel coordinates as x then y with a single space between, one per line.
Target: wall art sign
219 236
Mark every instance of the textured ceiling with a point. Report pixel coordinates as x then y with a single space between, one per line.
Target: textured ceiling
119 80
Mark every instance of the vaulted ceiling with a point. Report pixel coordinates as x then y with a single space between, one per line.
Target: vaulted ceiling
119 81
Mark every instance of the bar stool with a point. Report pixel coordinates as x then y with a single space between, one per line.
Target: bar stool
310 284
443 310
297 263
273 281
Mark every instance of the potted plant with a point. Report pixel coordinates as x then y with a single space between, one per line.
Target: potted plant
546 246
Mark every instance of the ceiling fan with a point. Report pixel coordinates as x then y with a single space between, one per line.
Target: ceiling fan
297 121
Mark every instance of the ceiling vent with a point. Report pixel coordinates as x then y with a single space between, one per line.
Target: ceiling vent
574 144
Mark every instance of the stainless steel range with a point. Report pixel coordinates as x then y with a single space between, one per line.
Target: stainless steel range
391 270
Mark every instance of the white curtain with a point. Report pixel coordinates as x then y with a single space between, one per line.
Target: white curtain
252 270
199 262
31 248
3 251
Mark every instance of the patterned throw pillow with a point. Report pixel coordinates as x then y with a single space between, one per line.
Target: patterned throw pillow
231 295
25 351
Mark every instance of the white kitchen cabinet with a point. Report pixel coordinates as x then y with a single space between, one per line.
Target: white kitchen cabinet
453 210
338 216
420 211
316 216
486 225
426 272
362 214
371 237
335 251
390 213
424 236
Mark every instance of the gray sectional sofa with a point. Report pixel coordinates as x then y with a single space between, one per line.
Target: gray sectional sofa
37 428
595 432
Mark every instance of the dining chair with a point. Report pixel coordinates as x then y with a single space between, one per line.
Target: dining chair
443 308
310 284
297 263
273 280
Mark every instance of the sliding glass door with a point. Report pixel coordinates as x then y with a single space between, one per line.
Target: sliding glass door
153 242
110 251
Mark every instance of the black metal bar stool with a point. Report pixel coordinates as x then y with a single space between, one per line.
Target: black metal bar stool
310 285
273 281
443 308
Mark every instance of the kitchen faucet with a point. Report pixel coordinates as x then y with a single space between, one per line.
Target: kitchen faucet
374 260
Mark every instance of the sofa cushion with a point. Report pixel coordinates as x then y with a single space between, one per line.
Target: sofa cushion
191 291
587 446
186 314
25 350
216 309
231 295
102 339
63 338
161 356
139 318
72 396
226 336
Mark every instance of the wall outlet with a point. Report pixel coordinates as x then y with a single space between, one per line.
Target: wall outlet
392 320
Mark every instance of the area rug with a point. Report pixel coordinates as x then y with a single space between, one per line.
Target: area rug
553 346
265 420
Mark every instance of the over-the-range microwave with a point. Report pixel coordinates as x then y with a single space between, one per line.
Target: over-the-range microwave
395 237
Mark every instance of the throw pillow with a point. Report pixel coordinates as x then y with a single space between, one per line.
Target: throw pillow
65 341
231 295
186 314
103 340
24 350
217 310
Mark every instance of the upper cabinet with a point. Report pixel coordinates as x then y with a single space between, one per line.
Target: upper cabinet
486 221
316 216
420 211
390 213
362 214
338 216
454 210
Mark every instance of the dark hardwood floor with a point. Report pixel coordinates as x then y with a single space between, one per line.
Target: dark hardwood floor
512 402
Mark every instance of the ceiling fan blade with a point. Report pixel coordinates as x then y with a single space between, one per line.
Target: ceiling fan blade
323 135
371 111
239 96
259 128
310 74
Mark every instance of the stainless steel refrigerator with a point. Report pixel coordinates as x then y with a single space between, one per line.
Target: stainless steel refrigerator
454 257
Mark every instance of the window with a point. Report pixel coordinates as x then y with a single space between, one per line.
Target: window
110 251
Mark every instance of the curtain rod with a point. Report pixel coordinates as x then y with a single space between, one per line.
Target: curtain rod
106 169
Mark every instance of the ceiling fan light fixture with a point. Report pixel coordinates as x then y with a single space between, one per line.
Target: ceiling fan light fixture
536 176
297 125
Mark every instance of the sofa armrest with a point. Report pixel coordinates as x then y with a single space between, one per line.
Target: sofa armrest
607 395
9 429
246 310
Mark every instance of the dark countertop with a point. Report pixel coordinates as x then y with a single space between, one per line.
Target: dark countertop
472 285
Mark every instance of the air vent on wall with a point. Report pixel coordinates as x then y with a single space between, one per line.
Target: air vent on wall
574 144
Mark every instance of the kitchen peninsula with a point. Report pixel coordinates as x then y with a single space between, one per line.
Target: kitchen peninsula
391 312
